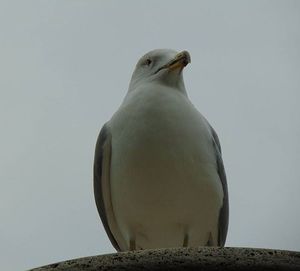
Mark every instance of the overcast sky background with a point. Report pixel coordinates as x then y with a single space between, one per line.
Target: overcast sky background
64 70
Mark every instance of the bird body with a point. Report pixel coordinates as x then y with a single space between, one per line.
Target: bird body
159 180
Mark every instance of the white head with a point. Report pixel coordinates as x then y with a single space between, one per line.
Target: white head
163 66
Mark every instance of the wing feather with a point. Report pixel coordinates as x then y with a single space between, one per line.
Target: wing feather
102 162
224 212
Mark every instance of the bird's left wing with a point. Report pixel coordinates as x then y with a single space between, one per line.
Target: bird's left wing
224 212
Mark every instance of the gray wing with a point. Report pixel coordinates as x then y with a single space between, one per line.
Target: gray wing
99 165
224 212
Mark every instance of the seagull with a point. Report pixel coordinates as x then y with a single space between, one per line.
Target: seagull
159 178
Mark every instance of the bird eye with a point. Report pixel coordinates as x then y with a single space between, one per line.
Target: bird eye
148 61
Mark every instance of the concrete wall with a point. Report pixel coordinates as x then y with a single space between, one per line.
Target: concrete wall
203 258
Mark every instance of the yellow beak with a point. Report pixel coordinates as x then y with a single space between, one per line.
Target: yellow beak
178 62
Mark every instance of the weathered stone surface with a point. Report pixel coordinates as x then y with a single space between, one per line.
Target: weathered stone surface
202 258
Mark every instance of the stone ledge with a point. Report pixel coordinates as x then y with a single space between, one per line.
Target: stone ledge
202 258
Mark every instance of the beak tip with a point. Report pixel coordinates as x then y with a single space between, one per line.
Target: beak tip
187 57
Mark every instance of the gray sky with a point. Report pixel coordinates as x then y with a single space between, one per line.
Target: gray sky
65 68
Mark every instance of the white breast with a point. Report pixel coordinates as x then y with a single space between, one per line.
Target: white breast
165 182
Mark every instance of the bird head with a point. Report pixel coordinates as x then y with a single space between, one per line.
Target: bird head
163 66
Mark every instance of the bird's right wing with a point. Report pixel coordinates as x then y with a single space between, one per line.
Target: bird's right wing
102 167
